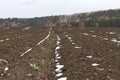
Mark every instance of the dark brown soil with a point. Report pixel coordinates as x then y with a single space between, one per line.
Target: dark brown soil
105 53
89 55
41 55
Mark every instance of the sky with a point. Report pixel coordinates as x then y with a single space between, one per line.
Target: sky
39 8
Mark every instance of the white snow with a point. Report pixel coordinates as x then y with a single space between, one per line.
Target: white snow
73 43
105 38
115 40
95 64
3 60
37 43
77 47
91 31
59 66
85 34
7 39
66 35
26 52
6 69
62 78
58 42
1 40
26 28
118 44
2 74
59 57
58 47
94 36
44 39
59 74
111 33
56 60
69 38
89 57
107 32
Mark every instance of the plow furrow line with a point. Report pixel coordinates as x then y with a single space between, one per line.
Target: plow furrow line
59 66
28 50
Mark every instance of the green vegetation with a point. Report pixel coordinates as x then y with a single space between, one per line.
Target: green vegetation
34 67
106 18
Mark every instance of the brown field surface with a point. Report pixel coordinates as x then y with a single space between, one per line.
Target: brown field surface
60 53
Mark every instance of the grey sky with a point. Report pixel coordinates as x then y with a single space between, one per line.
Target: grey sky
38 8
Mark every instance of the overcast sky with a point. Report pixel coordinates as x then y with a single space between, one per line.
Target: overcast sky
38 8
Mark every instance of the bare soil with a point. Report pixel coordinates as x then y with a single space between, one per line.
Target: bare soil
87 54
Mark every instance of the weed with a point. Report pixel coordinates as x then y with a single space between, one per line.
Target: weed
34 67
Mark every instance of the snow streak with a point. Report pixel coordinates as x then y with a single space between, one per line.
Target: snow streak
59 66
37 43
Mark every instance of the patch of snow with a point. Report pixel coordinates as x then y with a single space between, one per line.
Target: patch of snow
1 40
89 57
107 32
94 36
118 44
100 69
111 33
69 38
115 40
91 31
59 74
105 38
59 71
6 69
59 57
87 79
44 39
62 78
26 52
66 35
56 60
73 43
57 63
58 47
59 66
58 42
26 28
95 64
110 78
2 74
7 39
77 47
85 34
3 60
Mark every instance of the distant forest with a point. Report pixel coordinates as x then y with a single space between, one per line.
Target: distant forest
106 18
